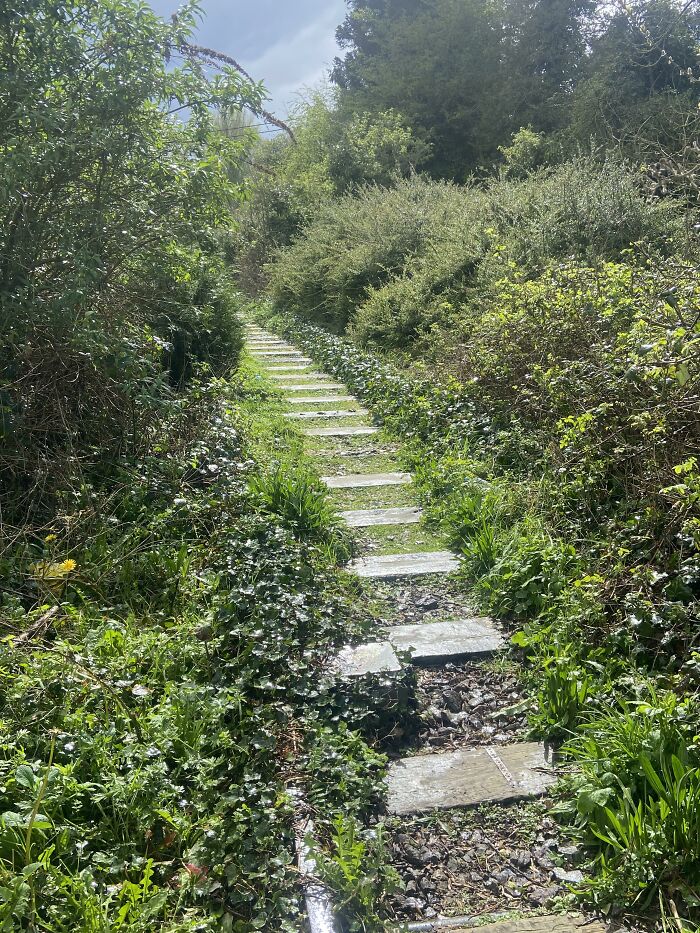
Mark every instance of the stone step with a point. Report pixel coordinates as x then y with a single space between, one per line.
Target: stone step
440 642
352 431
280 356
293 377
374 657
404 565
311 386
328 413
469 777
322 399
289 368
365 518
361 480
542 923
269 345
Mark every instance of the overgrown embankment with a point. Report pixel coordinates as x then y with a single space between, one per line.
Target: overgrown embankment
583 532
163 685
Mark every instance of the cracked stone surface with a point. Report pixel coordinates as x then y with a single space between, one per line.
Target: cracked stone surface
436 642
469 777
370 658
404 565
365 518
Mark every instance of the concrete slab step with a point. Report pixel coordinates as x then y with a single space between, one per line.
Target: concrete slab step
352 431
377 657
365 518
311 386
280 356
288 368
543 923
404 565
454 640
314 376
362 480
322 399
469 777
327 413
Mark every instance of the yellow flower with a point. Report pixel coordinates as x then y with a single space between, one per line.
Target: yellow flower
52 574
49 538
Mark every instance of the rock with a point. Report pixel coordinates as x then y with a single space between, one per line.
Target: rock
426 603
567 877
522 859
503 877
453 701
413 903
542 896
571 852
492 885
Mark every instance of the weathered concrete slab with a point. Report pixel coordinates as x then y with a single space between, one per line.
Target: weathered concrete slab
322 399
365 518
271 345
311 386
288 368
469 777
436 642
352 431
404 565
361 480
544 923
280 355
377 657
327 413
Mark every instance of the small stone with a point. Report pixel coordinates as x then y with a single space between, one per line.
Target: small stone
414 903
521 859
453 701
570 852
430 912
567 877
426 603
542 897
493 886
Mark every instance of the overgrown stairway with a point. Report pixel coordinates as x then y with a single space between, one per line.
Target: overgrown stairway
418 783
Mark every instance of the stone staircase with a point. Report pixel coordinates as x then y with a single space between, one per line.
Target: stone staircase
424 782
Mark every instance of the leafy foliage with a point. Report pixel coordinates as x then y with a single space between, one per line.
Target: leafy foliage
111 282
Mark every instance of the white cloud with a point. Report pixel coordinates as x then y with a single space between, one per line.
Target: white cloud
301 60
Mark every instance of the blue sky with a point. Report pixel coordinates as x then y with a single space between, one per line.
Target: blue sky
287 44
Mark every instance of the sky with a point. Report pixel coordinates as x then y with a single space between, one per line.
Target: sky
286 44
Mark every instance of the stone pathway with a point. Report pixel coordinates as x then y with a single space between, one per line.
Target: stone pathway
430 781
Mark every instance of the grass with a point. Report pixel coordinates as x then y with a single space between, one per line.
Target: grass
374 497
334 463
398 539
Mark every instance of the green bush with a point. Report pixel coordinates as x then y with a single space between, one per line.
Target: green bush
396 265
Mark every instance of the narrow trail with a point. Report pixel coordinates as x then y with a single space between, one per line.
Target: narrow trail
376 497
